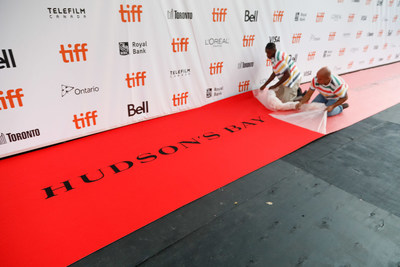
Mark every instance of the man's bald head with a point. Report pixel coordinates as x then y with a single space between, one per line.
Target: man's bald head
324 76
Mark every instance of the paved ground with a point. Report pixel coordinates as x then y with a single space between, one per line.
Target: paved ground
335 202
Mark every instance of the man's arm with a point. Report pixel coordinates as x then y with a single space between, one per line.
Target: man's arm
305 98
337 103
286 75
269 80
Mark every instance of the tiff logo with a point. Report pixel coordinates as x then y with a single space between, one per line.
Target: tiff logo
365 49
375 18
248 40
244 86
385 46
311 55
10 96
131 13
5 59
132 110
359 33
219 14
278 15
389 57
140 77
398 32
89 117
395 17
340 1
351 17
250 17
180 45
68 54
367 2
341 51
180 99
391 2
320 17
269 62
296 38
350 65
380 33
2 139
216 67
331 36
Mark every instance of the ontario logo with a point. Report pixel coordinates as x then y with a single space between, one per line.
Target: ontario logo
67 89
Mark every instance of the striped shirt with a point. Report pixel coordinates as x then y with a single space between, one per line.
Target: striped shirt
336 88
282 62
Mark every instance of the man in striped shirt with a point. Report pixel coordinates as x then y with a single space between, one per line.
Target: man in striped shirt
285 69
332 92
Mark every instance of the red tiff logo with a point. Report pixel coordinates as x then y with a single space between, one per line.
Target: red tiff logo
89 117
385 46
371 60
244 86
331 36
130 13
296 38
219 14
248 40
380 33
365 49
398 32
278 15
180 45
320 17
375 18
180 99
341 51
389 57
216 67
68 54
11 95
367 2
395 18
135 80
351 17
391 2
358 35
350 65
311 55
269 62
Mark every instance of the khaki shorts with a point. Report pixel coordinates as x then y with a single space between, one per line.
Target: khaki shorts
287 94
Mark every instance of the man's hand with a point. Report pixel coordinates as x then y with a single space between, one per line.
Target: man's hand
298 106
330 108
263 87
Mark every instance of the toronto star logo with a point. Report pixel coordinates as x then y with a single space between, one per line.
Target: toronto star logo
174 14
66 89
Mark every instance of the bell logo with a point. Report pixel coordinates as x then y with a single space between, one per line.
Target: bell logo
248 40
278 15
6 59
249 17
331 36
365 49
216 67
244 86
68 54
296 38
219 14
180 99
351 17
311 55
359 33
140 77
375 18
10 96
90 116
320 17
269 62
180 45
132 110
131 13
350 65
341 51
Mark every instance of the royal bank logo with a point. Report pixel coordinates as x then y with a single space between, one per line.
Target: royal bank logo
179 73
299 16
274 39
327 53
244 65
138 48
67 89
174 14
15 137
250 17
7 60
66 13
216 42
214 92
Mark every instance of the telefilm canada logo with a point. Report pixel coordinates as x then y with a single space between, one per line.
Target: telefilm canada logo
16 137
175 14
137 48
67 89
179 73
66 13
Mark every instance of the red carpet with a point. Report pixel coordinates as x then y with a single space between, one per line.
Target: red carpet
121 180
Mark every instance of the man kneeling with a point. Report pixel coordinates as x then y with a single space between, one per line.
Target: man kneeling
332 92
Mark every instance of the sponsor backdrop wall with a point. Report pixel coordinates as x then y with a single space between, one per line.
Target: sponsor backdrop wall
73 68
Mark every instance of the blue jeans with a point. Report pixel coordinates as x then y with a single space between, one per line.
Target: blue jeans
328 102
